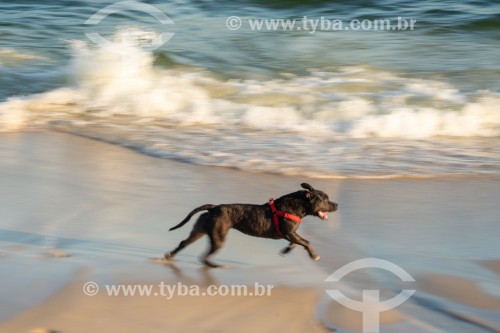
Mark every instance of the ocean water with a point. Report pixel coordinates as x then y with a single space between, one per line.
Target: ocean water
328 104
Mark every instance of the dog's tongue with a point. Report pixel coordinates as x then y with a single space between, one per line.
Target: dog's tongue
323 215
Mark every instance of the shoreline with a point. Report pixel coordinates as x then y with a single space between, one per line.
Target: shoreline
158 154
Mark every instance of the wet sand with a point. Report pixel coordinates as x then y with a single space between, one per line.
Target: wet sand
77 210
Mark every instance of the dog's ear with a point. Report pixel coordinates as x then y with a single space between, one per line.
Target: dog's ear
307 187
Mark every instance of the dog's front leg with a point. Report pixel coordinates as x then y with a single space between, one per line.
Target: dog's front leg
289 248
293 237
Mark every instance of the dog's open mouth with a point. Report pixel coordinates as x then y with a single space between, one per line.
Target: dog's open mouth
322 215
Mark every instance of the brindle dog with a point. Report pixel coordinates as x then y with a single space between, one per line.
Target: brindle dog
257 220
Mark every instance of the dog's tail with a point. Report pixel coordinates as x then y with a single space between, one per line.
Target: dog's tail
190 215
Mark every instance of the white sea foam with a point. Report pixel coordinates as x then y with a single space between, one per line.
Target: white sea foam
12 115
435 89
119 78
480 118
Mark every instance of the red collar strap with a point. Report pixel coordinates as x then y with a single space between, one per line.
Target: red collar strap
279 213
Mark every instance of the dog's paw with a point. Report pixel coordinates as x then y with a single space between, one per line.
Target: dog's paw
210 264
315 258
168 256
159 261
284 252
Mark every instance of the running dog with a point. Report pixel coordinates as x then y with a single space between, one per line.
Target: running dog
276 219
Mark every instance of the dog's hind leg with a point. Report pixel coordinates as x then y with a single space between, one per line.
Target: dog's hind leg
217 237
194 236
295 238
214 247
198 231
289 248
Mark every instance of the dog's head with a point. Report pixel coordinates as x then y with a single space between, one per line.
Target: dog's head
319 202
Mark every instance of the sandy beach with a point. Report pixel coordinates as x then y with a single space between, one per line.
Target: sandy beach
76 210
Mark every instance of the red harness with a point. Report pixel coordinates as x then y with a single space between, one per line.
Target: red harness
279 213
